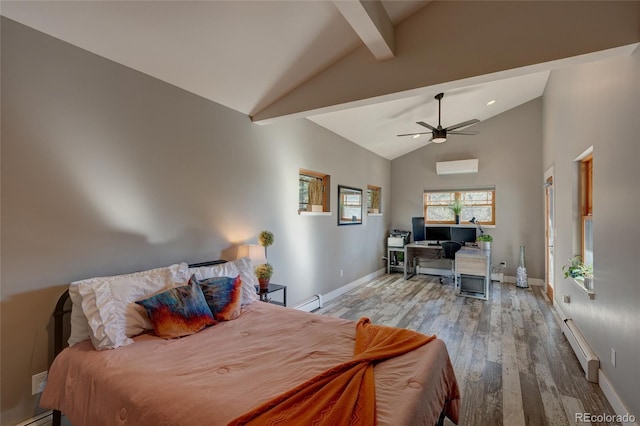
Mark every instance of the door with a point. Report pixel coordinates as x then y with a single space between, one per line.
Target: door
549 235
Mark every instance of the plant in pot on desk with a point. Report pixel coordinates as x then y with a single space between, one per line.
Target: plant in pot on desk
457 206
264 273
485 241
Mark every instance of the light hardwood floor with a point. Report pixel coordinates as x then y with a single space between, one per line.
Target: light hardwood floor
513 364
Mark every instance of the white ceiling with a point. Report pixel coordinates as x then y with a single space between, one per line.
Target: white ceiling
247 54
376 126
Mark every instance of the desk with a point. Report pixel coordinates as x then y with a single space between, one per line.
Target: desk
410 251
473 273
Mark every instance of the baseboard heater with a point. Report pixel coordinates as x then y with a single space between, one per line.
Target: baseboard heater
309 305
588 359
42 419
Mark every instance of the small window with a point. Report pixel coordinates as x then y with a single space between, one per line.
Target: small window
374 199
586 207
313 191
478 203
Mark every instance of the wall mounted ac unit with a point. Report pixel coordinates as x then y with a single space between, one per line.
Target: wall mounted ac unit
455 167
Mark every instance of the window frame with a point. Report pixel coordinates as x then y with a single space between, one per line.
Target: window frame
457 195
370 190
349 198
586 208
325 189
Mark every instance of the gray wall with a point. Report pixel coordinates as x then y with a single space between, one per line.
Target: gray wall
598 105
509 150
106 170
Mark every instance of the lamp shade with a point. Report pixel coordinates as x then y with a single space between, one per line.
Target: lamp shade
254 252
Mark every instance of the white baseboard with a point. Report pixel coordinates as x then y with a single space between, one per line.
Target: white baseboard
607 388
347 287
531 281
615 401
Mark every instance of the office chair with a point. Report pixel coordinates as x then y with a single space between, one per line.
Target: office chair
449 249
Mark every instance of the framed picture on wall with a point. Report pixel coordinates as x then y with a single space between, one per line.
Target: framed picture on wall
349 205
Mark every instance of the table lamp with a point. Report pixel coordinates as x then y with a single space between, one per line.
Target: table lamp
477 224
255 252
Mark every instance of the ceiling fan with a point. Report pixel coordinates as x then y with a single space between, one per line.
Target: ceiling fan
439 134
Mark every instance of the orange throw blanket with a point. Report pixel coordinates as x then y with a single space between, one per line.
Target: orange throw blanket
344 394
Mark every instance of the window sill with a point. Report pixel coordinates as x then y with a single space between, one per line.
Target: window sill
303 213
579 282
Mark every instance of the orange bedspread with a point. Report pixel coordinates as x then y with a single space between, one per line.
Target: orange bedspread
221 373
344 394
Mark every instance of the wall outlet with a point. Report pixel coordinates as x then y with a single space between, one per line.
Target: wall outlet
37 382
341 273
613 357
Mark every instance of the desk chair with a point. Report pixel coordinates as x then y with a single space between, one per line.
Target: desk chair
449 249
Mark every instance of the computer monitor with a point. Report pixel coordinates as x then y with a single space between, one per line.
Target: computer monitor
418 228
463 235
437 233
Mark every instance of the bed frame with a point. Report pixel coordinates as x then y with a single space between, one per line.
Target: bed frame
61 311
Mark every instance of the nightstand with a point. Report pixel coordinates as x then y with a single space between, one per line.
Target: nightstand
264 294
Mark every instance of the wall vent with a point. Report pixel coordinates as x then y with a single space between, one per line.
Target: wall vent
456 167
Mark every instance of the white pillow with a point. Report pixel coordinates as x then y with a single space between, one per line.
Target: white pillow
108 303
240 267
80 330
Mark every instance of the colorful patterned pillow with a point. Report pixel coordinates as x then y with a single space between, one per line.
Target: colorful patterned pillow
223 295
178 312
240 267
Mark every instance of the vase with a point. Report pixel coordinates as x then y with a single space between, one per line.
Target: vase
521 272
588 283
457 219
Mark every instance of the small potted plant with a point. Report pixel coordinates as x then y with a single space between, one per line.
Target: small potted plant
375 202
315 195
265 239
264 273
485 241
579 271
456 206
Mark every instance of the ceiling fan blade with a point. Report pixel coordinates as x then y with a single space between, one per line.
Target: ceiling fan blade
456 132
413 134
428 126
463 124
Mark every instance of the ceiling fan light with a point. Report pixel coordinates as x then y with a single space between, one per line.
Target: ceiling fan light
439 135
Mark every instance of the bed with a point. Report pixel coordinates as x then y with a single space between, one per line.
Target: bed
224 371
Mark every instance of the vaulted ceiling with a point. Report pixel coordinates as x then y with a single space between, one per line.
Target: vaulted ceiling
367 70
